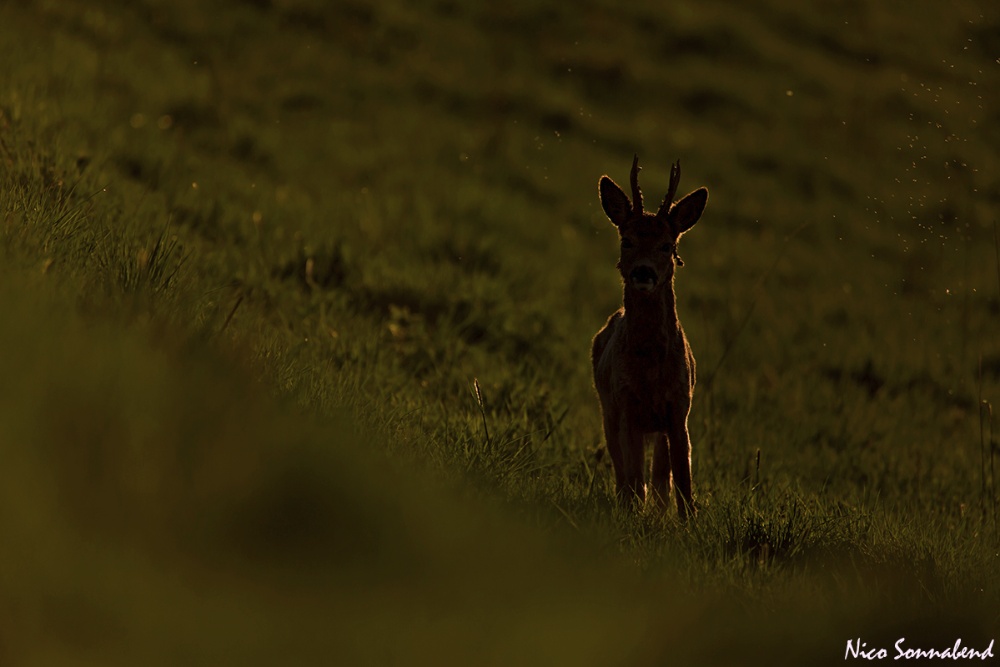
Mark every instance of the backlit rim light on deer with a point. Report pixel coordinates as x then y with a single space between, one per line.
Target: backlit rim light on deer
644 370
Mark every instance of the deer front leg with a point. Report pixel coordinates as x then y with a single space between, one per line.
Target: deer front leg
680 459
614 448
631 439
661 469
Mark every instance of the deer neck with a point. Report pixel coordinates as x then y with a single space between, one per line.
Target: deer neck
651 323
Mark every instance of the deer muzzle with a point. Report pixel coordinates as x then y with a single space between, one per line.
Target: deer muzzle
643 278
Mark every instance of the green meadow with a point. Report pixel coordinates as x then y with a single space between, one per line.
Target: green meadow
297 305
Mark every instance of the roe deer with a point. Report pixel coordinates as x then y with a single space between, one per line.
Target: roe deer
643 365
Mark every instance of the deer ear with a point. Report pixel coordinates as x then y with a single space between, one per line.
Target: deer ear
615 202
686 212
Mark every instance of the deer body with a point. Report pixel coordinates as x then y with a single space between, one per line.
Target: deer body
644 370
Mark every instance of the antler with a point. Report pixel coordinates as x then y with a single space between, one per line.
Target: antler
675 179
636 193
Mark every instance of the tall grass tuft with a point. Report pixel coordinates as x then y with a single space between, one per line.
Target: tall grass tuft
132 268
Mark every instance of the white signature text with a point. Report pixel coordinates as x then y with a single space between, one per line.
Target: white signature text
859 649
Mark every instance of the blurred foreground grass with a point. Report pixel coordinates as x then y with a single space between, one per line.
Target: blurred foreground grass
256 253
158 509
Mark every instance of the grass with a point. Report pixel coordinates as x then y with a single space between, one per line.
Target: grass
298 304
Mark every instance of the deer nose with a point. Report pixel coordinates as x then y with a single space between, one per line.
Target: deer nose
643 278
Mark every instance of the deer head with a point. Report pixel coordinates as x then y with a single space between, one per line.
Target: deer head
648 241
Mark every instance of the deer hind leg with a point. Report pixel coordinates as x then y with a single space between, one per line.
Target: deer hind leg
680 460
661 469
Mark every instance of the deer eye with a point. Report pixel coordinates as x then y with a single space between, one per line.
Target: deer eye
627 244
667 247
